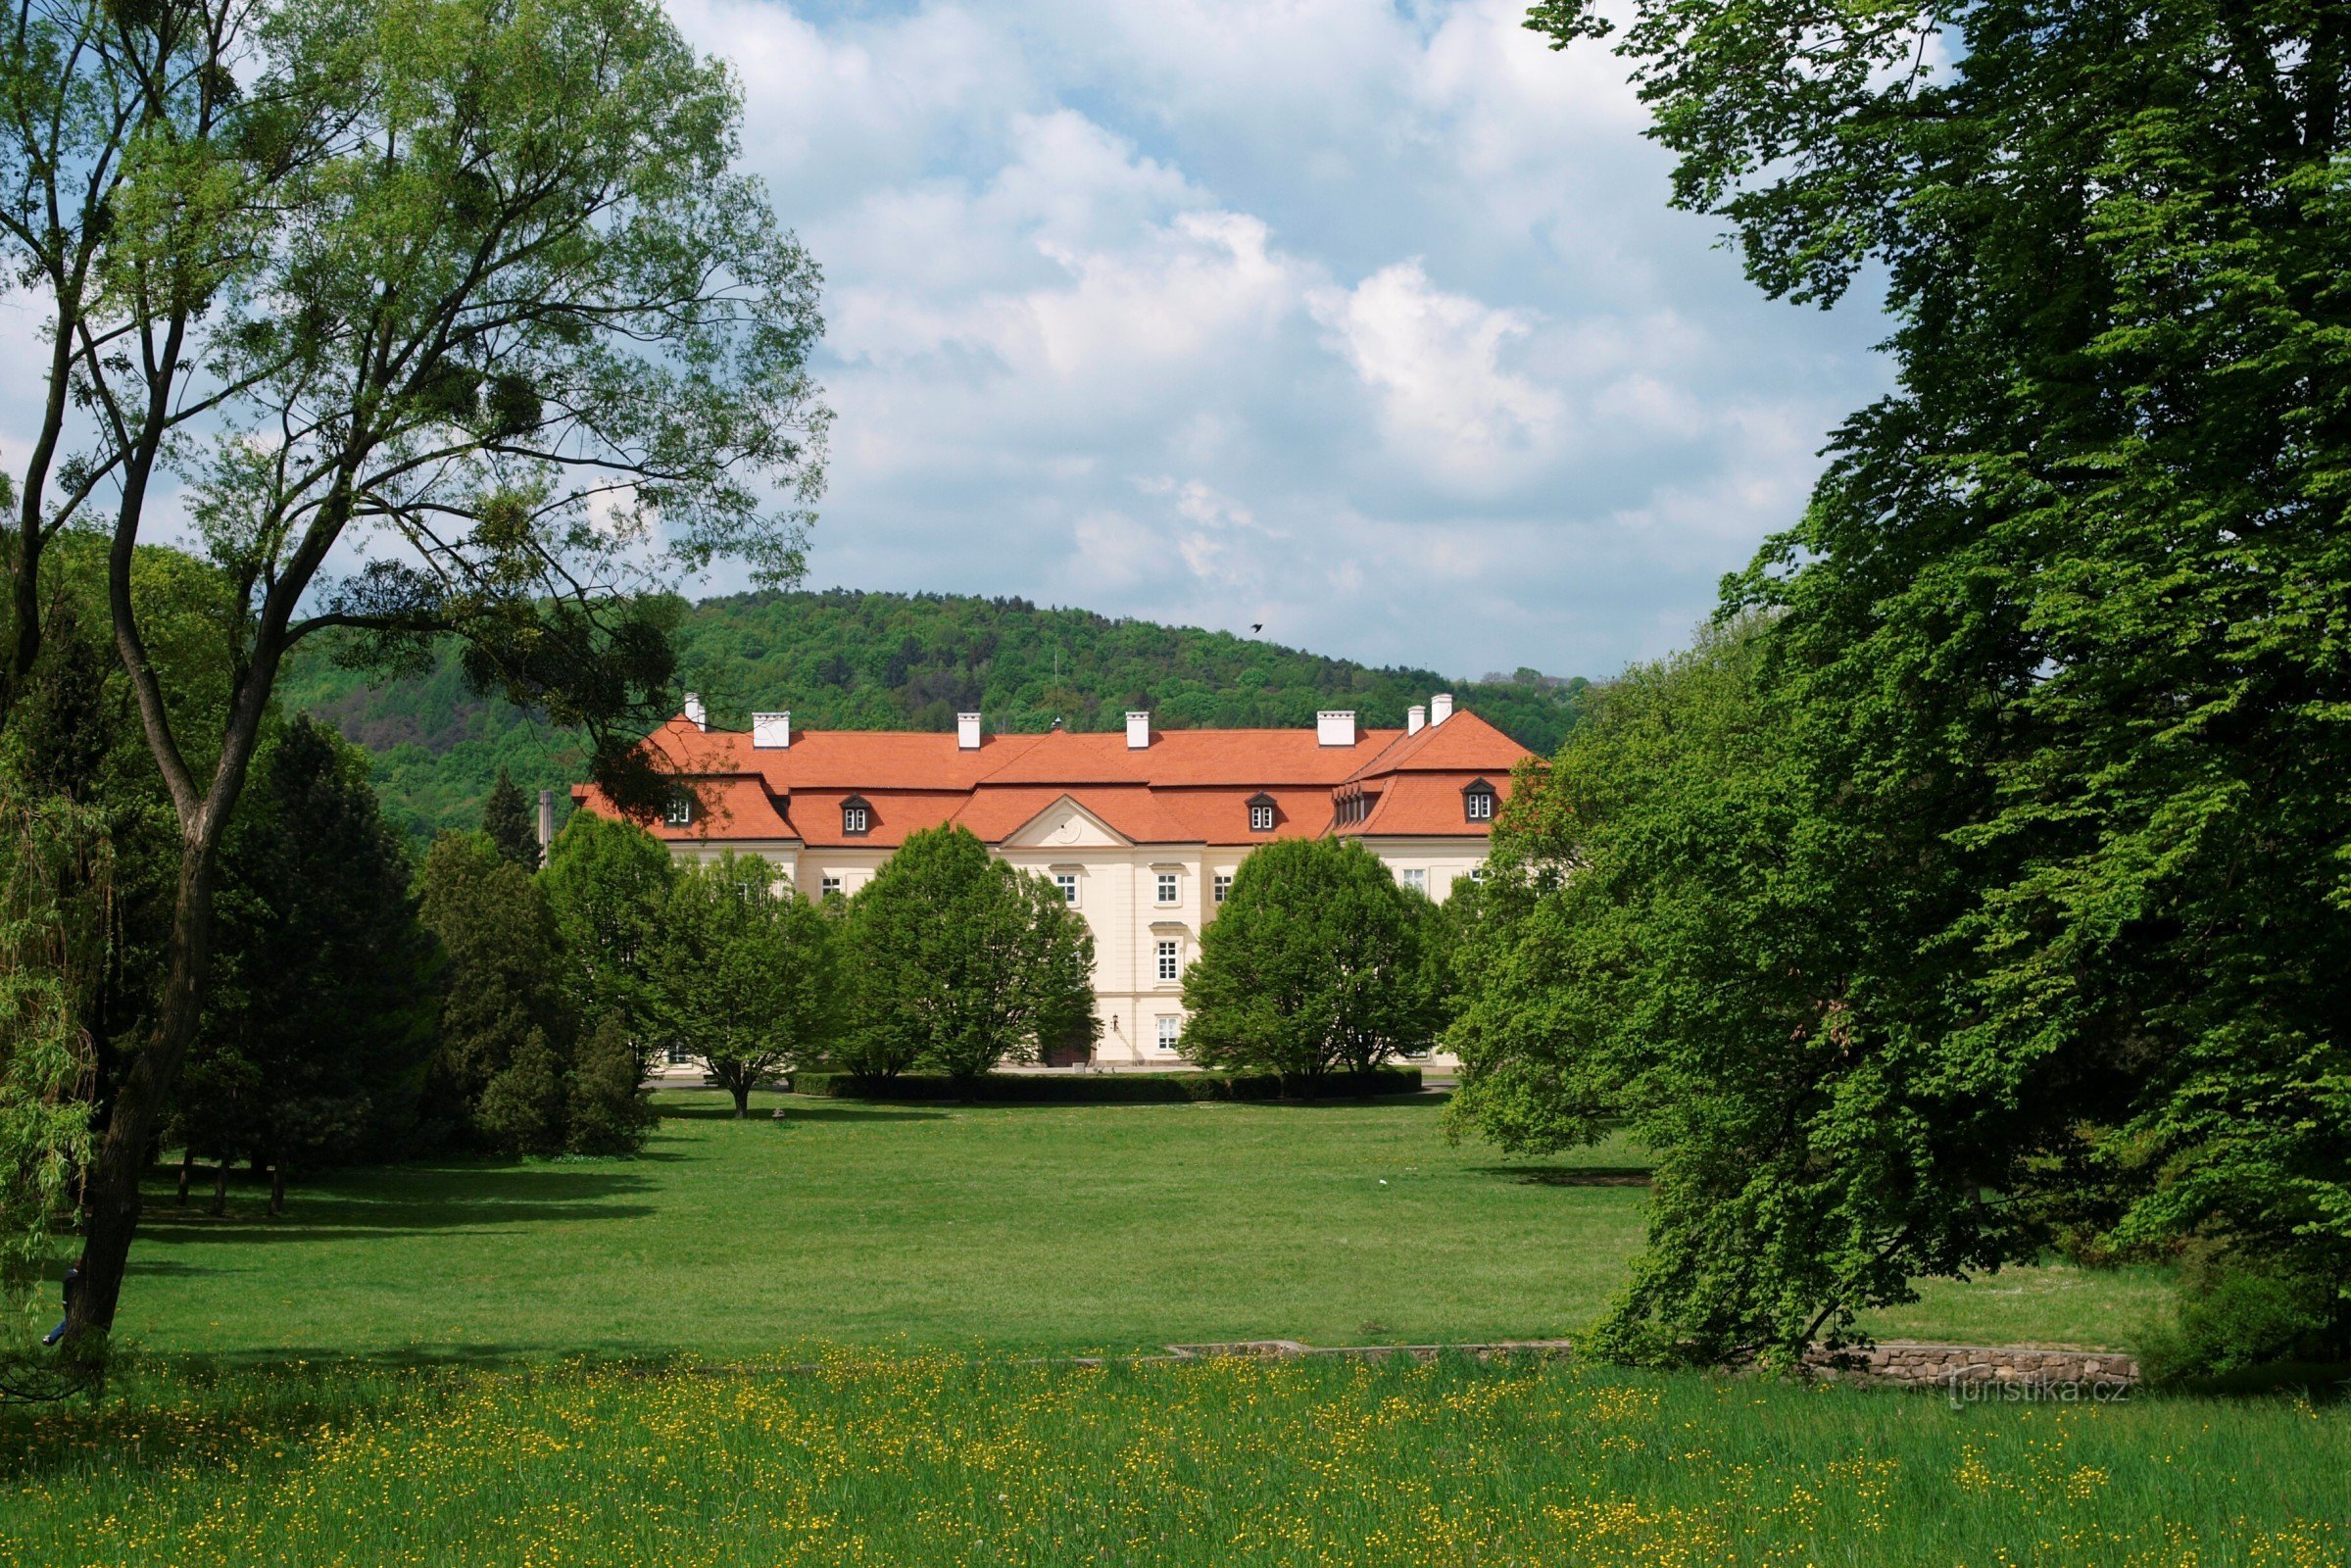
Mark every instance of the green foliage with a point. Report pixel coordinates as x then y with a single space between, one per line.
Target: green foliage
507 821
744 972
606 883
1317 962
2055 679
2231 1319
605 1111
54 920
320 1027
501 991
840 659
521 1108
955 961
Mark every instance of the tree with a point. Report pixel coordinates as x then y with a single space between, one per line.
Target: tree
745 977
2057 647
959 962
1317 963
608 883
505 820
469 279
501 1010
605 1111
319 1028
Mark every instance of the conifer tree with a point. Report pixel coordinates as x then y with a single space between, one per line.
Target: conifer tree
506 820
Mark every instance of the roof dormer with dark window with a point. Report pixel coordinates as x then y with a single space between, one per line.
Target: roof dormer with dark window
1477 801
857 818
1262 814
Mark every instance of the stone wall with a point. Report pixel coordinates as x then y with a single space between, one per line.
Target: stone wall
1976 1366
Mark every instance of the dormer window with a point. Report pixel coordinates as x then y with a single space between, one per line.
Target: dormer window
856 816
1476 801
1260 814
680 810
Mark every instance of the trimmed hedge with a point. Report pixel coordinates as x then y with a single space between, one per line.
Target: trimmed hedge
1105 1088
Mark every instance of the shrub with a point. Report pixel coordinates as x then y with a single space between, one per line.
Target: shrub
1107 1089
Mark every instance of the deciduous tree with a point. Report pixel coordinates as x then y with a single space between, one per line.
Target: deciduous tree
745 973
1317 962
470 281
959 962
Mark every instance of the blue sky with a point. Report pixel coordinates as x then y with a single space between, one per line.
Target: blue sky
1366 321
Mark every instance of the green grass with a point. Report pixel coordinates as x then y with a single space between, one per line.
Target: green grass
1012 1226
882 1460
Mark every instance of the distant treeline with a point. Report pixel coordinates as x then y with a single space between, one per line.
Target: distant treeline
840 659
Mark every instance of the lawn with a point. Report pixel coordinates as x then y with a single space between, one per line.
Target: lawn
880 1458
1009 1227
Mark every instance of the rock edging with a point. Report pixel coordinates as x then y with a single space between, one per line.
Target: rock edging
2022 1368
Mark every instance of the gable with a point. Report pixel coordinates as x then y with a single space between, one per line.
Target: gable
1066 825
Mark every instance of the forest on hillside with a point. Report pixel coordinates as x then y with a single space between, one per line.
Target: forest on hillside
843 660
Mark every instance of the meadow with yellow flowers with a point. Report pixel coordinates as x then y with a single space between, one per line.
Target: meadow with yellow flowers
857 1333
886 1456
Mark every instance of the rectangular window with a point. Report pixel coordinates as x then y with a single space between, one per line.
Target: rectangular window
679 811
1414 878
1167 887
829 887
853 819
1260 819
1171 1031
1222 885
1481 807
677 1055
1171 966
1067 882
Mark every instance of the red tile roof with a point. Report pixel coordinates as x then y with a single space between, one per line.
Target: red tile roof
1187 787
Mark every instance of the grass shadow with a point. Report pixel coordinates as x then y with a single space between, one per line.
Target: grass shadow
1570 1175
397 1198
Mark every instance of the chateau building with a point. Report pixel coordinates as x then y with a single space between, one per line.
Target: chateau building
1142 832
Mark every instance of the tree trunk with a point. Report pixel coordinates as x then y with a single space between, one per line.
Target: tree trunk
741 1089
111 1191
187 1172
277 1187
220 1192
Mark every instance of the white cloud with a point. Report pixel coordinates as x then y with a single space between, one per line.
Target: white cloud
1436 362
1365 322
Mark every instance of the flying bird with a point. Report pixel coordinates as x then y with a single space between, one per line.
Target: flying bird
1257 625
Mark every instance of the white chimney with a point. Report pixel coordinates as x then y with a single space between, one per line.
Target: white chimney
696 715
1416 719
545 822
772 732
1335 726
967 732
1138 730
1441 707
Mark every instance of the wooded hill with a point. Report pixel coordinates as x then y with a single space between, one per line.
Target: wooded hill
841 659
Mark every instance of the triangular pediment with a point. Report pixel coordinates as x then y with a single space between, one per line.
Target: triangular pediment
1066 825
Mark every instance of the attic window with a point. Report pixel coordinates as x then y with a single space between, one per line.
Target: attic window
680 810
1260 814
1476 801
856 816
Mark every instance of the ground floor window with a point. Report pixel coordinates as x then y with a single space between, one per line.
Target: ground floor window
1171 1031
677 1055
1223 885
829 887
1171 966
1067 882
1414 878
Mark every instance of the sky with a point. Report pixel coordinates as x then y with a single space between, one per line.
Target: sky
1365 322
